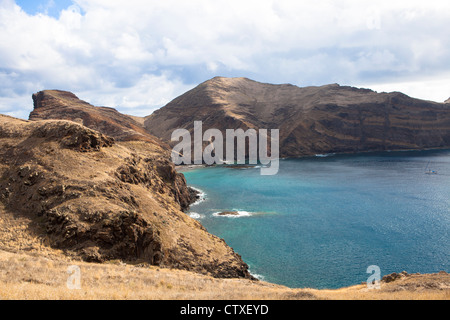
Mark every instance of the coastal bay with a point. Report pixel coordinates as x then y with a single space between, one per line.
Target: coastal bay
328 218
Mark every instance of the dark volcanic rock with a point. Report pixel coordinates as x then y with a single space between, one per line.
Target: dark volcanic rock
73 136
394 276
228 213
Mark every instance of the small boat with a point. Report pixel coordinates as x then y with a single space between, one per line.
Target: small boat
325 155
429 171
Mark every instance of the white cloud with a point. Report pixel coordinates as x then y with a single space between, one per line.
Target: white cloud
137 55
434 89
149 90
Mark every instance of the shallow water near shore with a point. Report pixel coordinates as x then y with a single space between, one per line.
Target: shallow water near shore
322 221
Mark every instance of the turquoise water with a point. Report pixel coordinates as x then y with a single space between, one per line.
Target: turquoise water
321 222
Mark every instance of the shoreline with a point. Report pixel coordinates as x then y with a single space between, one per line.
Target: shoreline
228 211
197 196
190 167
333 154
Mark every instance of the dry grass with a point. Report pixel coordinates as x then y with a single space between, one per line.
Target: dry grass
30 276
394 291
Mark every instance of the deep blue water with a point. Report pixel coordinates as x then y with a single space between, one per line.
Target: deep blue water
320 222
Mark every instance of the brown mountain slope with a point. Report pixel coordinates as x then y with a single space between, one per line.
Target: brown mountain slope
311 120
63 105
77 190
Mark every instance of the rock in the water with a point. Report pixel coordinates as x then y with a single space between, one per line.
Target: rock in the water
228 213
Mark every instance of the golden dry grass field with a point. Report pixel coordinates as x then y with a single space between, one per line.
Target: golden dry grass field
44 276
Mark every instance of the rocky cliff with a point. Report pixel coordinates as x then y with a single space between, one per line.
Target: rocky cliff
63 105
103 198
311 120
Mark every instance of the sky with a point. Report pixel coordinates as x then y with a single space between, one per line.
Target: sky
138 55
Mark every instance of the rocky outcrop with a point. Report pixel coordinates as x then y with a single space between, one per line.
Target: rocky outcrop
73 136
311 120
418 283
158 174
63 105
101 199
394 276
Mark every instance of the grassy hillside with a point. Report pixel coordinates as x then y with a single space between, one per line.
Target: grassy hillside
35 275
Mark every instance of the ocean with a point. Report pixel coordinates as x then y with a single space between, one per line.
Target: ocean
322 221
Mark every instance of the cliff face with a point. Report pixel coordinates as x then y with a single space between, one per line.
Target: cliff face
311 120
101 198
63 105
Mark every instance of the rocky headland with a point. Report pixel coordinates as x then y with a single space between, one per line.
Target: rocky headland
312 120
100 188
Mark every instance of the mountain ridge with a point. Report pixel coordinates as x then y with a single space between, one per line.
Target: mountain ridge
311 120
64 105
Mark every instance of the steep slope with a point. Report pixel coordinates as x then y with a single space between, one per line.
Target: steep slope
311 120
101 200
63 105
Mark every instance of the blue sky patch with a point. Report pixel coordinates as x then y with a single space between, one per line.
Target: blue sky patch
48 7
